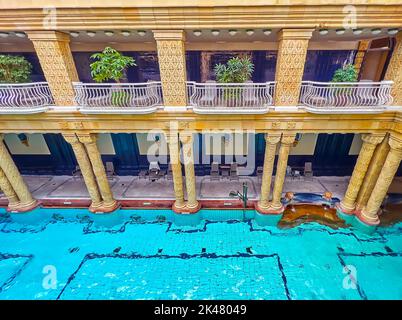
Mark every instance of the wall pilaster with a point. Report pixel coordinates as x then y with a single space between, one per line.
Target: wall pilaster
394 71
292 50
172 66
56 60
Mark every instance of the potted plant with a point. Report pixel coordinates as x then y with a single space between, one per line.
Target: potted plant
347 73
236 70
14 69
112 65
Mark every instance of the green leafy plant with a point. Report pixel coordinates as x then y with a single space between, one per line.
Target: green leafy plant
14 69
110 65
236 70
346 74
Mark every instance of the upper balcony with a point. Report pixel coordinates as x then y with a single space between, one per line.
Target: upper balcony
25 98
205 51
220 98
346 97
128 98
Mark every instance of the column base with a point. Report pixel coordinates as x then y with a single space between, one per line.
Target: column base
105 207
342 210
349 211
95 206
13 206
186 209
269 210
369 221
23 207
178 207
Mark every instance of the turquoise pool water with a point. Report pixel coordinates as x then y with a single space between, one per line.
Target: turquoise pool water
141 254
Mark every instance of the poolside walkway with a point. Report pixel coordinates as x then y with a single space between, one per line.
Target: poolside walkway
133 188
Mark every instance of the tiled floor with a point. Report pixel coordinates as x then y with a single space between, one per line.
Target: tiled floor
130 187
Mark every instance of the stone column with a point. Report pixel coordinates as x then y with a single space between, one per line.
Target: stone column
109 203
286 142
8 191
269 158
188 158
369 213
172 66
394 71
56 60
376 164
27 202
172 139
292 52
370 141
86 170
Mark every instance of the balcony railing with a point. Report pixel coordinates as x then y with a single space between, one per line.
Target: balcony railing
25 97
130 98
216 98
346 97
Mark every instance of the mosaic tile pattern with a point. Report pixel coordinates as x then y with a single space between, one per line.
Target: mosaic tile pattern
142 254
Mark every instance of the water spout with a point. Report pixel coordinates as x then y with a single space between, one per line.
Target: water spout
241 196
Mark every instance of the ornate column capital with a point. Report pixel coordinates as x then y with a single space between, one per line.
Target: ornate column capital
169 35
48 36
87 138
272 138
288 138
295 34
71 138
395 142
186 137
373 138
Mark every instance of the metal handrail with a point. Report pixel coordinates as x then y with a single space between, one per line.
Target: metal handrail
362 96
25 97
118 97
213 97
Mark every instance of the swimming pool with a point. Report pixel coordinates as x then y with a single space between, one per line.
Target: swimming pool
141 254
